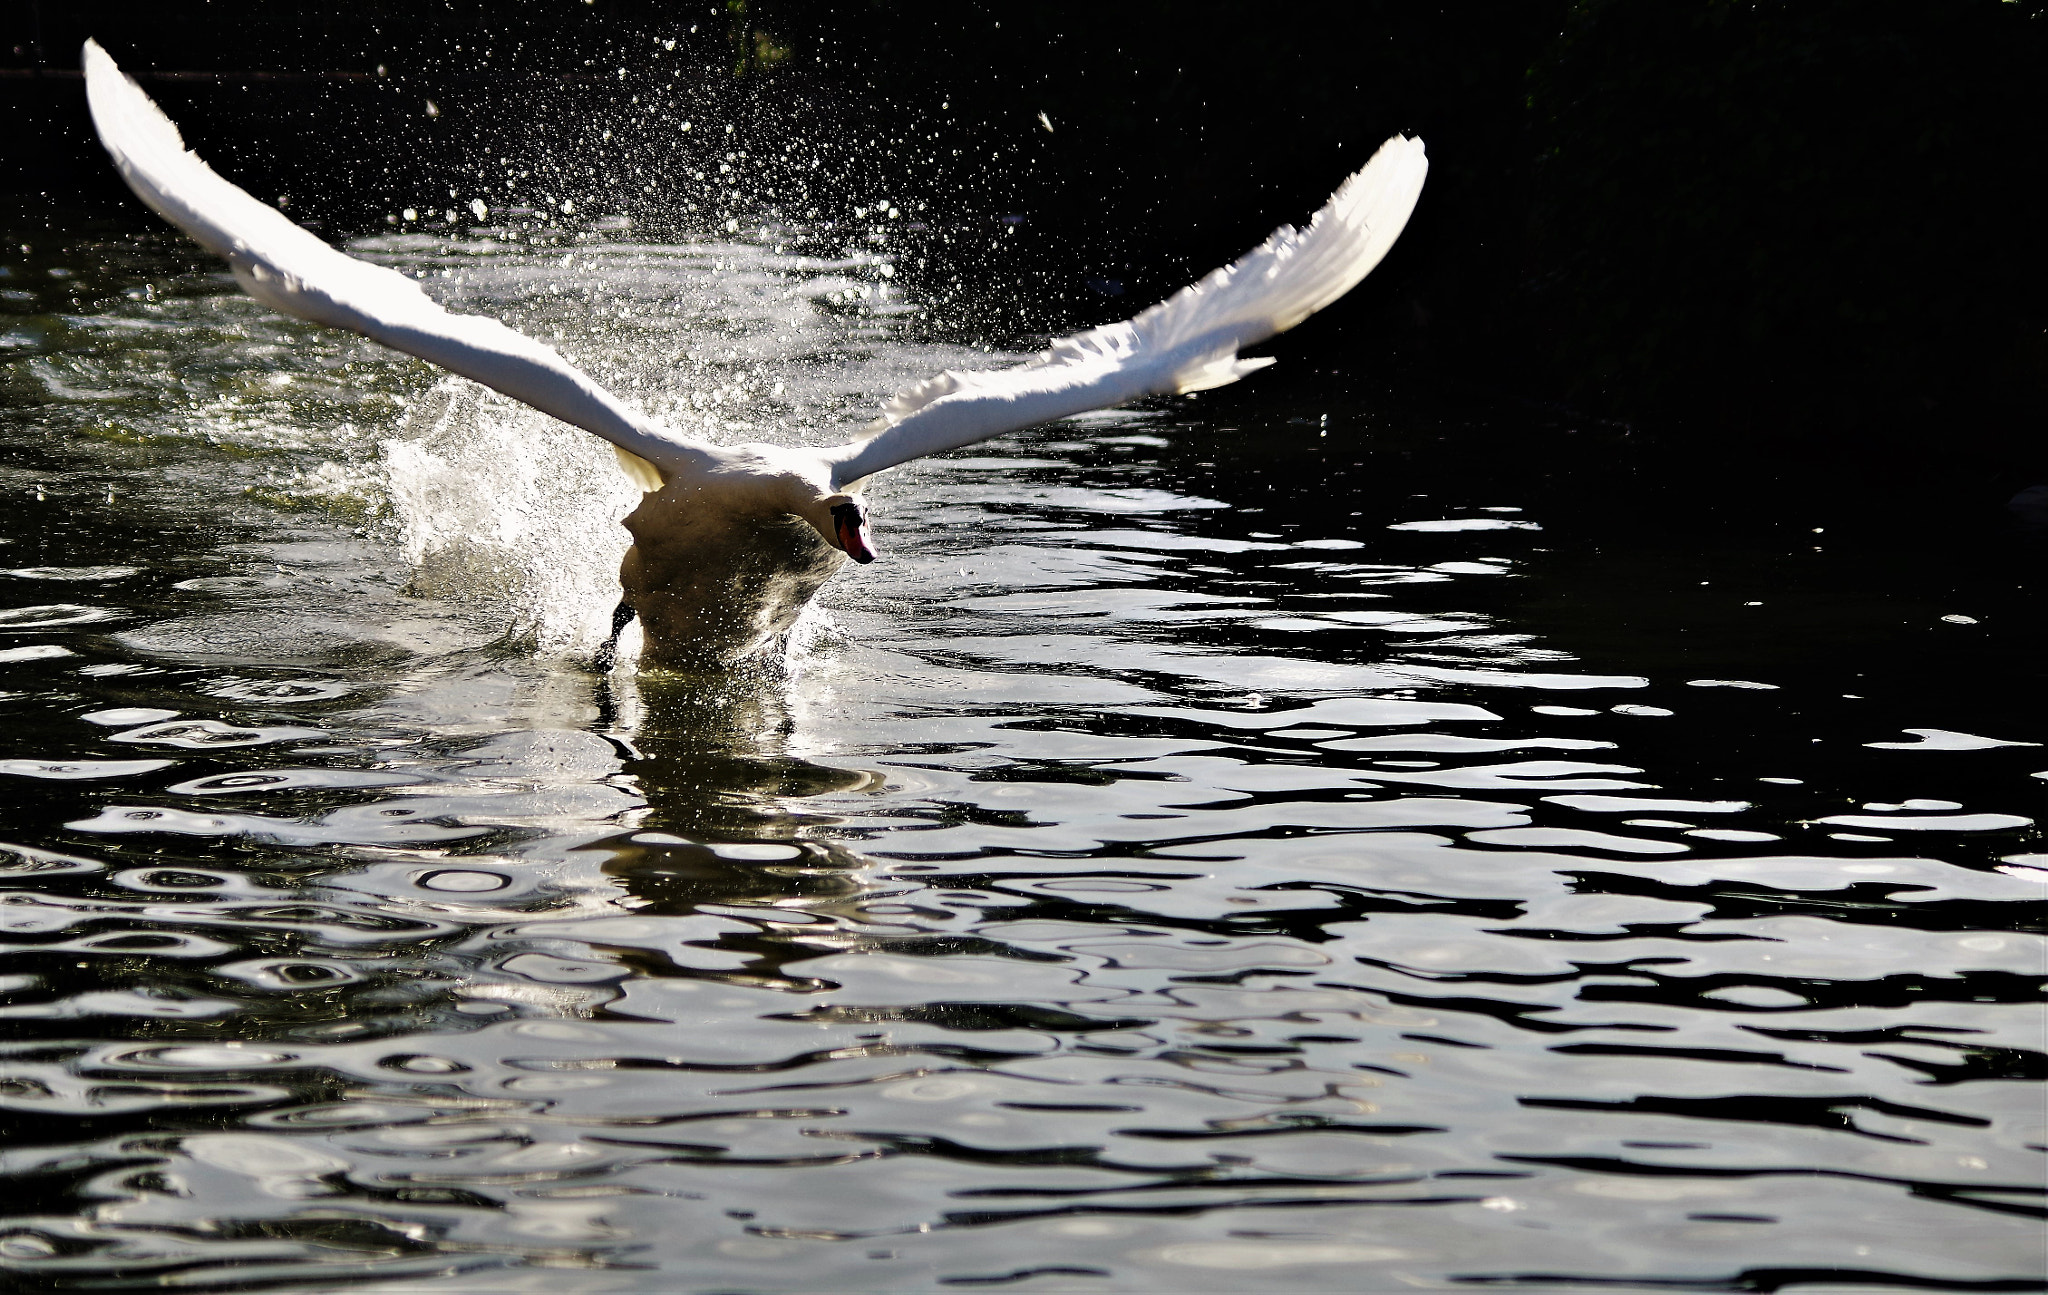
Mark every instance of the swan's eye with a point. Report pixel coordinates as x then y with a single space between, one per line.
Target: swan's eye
850 528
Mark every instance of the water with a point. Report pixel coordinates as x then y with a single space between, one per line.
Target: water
1269 842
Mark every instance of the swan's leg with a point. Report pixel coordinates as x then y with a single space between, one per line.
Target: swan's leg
608 655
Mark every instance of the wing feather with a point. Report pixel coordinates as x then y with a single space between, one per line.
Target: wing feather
287 268
1189 342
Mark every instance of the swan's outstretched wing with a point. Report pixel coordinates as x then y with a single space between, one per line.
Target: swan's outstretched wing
1189 342
290 270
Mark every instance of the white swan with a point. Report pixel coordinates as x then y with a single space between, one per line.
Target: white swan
731 541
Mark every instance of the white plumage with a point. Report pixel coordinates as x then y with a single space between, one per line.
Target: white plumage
730 542
1189 342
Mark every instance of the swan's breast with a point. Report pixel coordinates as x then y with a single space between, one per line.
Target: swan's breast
714 585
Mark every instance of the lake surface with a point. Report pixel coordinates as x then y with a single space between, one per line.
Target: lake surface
1278 841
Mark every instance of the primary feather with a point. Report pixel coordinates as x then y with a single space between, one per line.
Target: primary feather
1189 342
288 269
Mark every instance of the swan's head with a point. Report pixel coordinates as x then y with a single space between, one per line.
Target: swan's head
844 524
770 480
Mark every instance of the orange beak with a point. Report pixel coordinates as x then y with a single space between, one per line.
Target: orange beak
850 525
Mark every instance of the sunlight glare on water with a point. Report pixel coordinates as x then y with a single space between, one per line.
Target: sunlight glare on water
1205 853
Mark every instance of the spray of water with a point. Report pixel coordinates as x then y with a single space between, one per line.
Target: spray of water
495 501
492 503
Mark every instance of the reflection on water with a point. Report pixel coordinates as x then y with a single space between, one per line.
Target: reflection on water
1269 850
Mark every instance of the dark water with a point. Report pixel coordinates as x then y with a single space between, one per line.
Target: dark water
1299 847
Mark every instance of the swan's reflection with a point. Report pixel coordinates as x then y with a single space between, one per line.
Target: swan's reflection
725 826
711 754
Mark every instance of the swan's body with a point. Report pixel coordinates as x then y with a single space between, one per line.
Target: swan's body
721 563
730 542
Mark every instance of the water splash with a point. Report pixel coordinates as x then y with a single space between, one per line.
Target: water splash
496 502
491 502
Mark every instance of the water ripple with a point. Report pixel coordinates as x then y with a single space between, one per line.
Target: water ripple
1148 879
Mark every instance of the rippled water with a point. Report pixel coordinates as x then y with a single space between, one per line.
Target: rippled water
1299 847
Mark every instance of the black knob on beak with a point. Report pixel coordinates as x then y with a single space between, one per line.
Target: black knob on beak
850 526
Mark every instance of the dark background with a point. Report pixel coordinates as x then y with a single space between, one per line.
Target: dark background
1801 232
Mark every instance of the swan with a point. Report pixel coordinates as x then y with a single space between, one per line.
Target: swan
730 542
